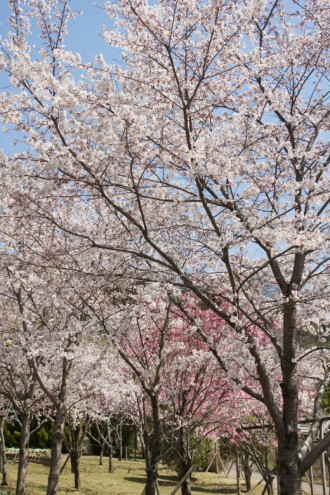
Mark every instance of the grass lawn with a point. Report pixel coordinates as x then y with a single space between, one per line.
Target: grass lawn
127 479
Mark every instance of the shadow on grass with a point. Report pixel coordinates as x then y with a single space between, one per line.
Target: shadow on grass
200 489
135 479
163 480
167 480
173 480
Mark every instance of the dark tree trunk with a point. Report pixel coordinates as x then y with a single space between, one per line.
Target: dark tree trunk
246 465
110 449
152 469
75 458
120 442
101 454
145 447
3 460
185 460
135 442
238 473
23 458
288 444
289 466
110 466
77 435
56 450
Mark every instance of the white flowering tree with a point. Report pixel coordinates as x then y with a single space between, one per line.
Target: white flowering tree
203 159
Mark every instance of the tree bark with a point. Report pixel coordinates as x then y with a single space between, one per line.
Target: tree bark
238 473
246 465
75 457
120 441
145 447
101 454
56 450
23 458
108 442
288 444
135 442
152 469
185 460
77 435
110 466
3 456
288 467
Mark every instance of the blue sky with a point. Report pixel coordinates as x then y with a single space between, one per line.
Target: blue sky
84 31
84 36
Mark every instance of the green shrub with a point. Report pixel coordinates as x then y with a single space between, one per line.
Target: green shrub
203 454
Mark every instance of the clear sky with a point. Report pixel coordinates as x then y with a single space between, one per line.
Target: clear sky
84 31
84 36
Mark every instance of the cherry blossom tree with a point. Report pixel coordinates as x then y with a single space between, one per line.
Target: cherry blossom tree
18 382
181 388
203 159
5 413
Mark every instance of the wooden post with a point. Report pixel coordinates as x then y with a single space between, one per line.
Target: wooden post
238 473
120 438
255 486
213 459
231 465
222 464
311 476
157 489
135 442
324 425
216 457
188 473
277 480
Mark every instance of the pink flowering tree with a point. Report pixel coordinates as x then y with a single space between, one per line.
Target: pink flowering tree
182 390
203 159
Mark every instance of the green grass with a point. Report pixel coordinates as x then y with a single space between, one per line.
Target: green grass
128 478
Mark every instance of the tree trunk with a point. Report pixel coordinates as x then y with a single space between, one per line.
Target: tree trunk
135 442
56 450
246 465
152 469
238 473
185 460
288 445
110 467
3 456
101 454
77 435
75 457
145 447
288 467
110 450
23 458
120 441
